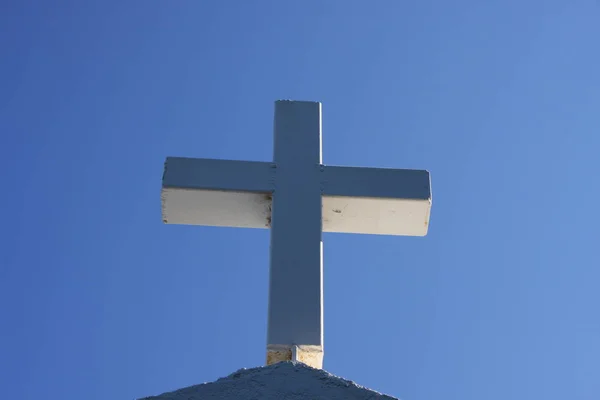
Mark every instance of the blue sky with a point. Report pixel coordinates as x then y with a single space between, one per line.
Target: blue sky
498 100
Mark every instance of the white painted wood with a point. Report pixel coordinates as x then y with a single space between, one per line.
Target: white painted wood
298 198
199 191
376 216
295 313
212 174
342 214
378 201
216 208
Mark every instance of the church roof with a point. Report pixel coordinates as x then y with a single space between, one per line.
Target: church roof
284 380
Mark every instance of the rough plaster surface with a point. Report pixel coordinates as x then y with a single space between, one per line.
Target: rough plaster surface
285 381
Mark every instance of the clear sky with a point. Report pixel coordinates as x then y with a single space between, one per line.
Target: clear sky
499 100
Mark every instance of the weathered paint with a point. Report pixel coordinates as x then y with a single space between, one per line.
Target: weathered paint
216 208
309 355
199 191
298 198
375 216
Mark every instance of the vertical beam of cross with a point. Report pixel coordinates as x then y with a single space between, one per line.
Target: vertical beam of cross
296 273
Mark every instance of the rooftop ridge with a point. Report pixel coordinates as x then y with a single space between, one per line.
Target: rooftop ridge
291 380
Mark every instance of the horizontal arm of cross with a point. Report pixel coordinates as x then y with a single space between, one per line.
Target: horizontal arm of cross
213 174
376 201
390 183
200 191
239 194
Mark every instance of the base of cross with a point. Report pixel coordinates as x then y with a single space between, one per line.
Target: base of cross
307 354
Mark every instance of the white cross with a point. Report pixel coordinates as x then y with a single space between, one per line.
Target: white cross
297 197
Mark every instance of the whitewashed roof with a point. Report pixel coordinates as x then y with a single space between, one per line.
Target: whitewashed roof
285 380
